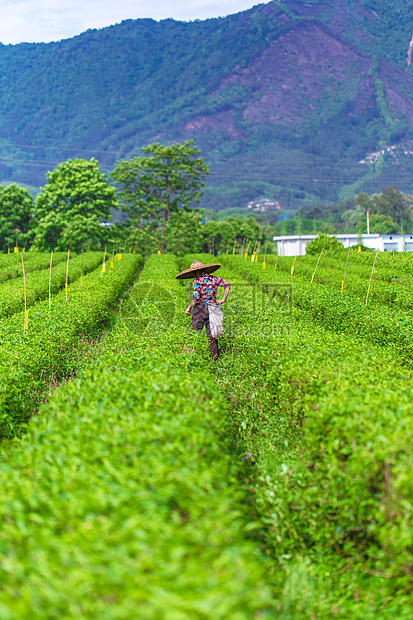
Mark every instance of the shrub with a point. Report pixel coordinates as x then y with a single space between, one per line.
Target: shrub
329 244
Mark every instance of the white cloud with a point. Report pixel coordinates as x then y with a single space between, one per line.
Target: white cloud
51 20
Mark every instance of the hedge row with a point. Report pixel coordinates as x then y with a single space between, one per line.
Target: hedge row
376 323
11 264
326 424
122 499
391 284
31 362
37 282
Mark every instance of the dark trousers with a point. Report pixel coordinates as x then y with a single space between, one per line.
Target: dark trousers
200 317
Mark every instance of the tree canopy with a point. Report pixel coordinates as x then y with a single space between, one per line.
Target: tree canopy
16 212
70 207
163 181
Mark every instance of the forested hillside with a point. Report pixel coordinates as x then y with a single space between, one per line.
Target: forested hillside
284 99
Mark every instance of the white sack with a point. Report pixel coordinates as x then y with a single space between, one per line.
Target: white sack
215 319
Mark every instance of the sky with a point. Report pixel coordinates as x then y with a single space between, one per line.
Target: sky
32 21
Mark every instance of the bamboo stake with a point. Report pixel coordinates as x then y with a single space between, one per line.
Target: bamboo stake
265 254
243 244
315 270
345 271
26 313
293 267
67 272
374 264
103 264
81 271
50 280
113 253
227 246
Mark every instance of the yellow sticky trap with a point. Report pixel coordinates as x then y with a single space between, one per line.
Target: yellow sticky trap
246 254
16 250
24 249
159 252
66 289
130 249
275 268
134 251
359 248
26 319
342 287
312 279
292 270
264 265
253 257
111 264
31 249
103 267
256 259
81 281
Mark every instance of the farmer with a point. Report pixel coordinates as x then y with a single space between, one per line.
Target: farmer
204 291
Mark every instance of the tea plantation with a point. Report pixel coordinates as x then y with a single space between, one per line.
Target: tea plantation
140 479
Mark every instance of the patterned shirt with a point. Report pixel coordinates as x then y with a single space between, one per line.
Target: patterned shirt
206 287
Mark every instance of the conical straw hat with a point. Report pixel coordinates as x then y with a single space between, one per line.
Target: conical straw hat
197 266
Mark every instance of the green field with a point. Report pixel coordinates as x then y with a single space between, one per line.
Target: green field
140 479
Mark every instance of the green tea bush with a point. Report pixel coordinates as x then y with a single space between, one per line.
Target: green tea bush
377 323
37 282
145 517
11 264
121 502
326 423
30 362
391 283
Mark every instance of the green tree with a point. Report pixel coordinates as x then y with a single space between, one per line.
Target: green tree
182 232
70 207
16 213
391 202
379 224
364 203
163 181
330 244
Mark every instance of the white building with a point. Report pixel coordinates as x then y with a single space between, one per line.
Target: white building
294 245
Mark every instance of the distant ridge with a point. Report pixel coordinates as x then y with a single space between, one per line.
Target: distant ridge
284 99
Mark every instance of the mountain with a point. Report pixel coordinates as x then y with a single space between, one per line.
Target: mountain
285 99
